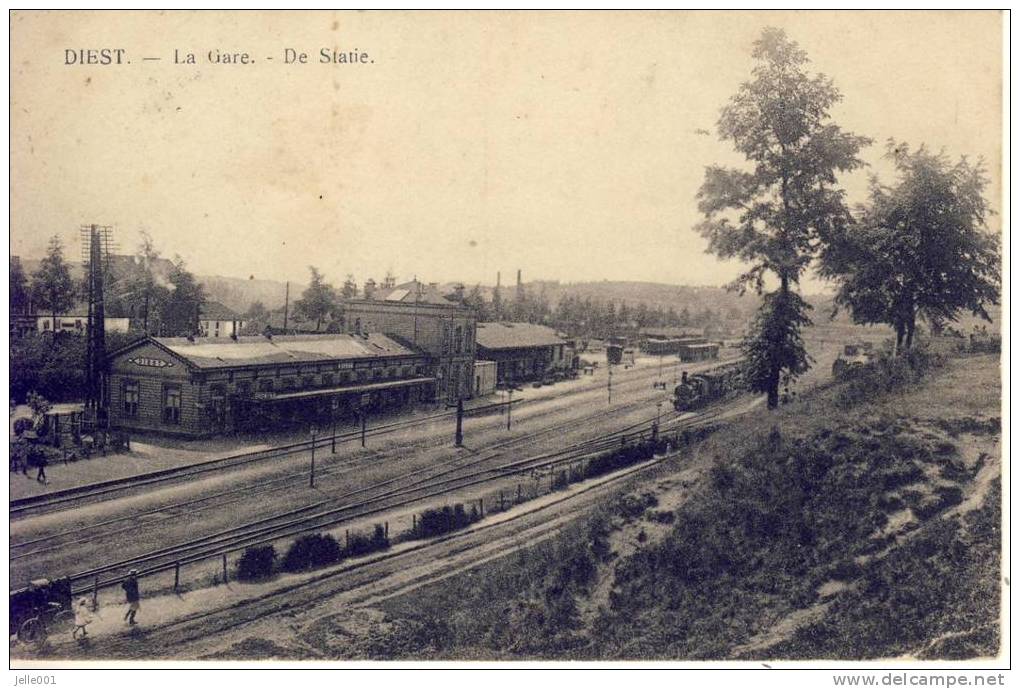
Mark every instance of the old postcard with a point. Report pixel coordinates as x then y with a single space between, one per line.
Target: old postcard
508 336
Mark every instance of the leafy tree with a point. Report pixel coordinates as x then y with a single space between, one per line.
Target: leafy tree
474 300
184 302
497 304
774 343
920 248
774 214
350 288
19 295
52 287
318 301
256 311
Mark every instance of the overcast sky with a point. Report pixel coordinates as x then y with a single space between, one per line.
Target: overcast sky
563 144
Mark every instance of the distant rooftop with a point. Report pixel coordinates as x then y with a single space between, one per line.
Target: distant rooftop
216 311
413 292
515 335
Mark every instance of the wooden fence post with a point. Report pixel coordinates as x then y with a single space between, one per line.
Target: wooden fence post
518 492
95 593
414 524
501 506
224 568
386 531
347 538
177 577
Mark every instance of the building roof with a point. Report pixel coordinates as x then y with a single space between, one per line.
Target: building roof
281 349
413 292
515 336
217 311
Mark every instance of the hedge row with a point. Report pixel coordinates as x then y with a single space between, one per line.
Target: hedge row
308 552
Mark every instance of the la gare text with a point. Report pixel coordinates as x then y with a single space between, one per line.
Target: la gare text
290 56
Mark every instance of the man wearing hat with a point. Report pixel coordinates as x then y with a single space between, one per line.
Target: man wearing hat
130 587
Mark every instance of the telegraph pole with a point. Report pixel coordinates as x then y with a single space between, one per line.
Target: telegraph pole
509 405
609 383
96 246
334 403
286 306
655 428
458 439
311 476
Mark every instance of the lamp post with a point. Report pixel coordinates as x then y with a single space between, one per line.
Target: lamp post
458 436
509 402
311 475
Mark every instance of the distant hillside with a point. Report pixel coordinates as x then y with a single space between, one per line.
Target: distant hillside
239 293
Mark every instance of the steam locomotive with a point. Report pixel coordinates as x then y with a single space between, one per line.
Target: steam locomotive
697 390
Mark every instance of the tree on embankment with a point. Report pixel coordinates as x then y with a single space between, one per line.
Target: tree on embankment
920 248
775 212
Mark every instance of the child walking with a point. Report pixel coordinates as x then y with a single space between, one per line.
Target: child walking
82 618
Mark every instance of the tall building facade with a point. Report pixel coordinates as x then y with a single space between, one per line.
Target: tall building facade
419 315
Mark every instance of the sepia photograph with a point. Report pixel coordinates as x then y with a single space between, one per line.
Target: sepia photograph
502 339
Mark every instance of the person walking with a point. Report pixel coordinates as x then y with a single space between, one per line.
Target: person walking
41 463
130 587
82 618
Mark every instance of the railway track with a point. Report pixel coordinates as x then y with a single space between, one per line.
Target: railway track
297 522
246 492
211 622
94 492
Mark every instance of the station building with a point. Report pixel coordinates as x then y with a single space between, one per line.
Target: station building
421 316
523 351
197 387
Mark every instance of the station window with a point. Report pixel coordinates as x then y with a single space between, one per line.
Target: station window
327 379
131 394
266 385
307 381
288 383
172 404
244 389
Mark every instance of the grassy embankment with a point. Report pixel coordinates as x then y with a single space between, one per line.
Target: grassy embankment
861 521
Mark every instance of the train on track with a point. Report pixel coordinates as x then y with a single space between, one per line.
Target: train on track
695 391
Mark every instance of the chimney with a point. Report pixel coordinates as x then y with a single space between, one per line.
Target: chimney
518 277
497 278
369 288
